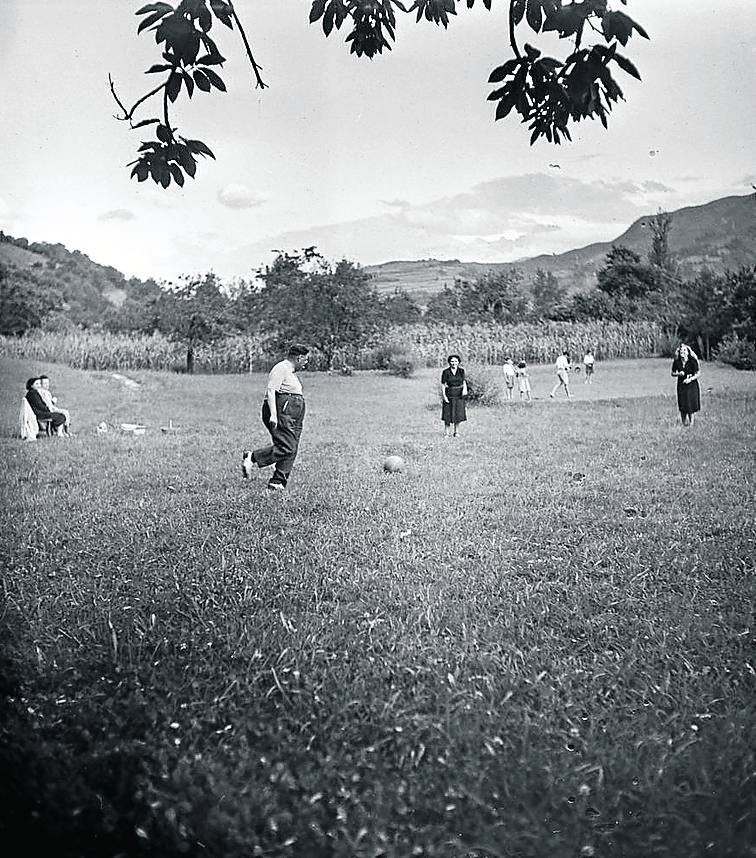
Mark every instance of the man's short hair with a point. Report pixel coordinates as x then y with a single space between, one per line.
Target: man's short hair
297 350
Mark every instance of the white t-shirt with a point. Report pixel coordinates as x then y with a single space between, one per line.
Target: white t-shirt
588 359
283 379
562 364
509 370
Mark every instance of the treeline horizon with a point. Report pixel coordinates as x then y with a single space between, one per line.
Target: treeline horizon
335 308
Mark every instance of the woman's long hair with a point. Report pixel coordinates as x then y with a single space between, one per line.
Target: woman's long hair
690 350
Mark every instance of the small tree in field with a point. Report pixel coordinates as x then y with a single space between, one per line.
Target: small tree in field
195 313
548 295
327 306
549 93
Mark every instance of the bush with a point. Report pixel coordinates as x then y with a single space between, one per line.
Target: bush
737 352
402 365
483 386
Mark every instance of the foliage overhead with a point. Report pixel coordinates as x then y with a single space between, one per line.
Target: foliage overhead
549 93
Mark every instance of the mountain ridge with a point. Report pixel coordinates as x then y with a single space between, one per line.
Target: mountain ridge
719 234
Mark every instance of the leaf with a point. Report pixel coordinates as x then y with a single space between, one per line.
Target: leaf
222 11
199 147
518 10
178 176
328 20
504 107
149 21
316 12
155 7
188 83
158 68
215 79
205 20
499 73
173 86
626 66
201 79
163 134
533 14
141 171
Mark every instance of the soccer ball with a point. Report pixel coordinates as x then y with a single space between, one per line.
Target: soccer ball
393 465
102 428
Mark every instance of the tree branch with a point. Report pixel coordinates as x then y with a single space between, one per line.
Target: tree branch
512 37
256 68
129 114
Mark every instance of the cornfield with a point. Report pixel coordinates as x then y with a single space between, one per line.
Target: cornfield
105 351
428 344
531 342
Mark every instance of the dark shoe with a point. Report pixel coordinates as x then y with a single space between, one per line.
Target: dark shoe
247 464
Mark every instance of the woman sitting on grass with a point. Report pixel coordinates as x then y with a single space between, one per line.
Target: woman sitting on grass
33 401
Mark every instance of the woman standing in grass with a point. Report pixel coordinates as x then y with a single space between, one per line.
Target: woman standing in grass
686 369
453 393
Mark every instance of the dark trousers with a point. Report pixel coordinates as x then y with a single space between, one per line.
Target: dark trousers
285 436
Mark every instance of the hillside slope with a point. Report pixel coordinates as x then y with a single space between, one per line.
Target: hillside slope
719 235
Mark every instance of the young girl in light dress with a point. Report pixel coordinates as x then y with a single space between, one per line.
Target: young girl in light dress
523 382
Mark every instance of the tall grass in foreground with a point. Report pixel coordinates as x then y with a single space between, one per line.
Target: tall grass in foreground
430 344
537 641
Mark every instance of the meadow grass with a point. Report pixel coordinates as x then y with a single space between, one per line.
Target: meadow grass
536 641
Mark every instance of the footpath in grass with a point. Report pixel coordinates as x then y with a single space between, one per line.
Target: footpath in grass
538 640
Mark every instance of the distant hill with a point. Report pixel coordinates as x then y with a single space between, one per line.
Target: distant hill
88 288
718 235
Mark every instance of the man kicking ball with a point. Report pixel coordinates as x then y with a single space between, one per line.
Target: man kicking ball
283 412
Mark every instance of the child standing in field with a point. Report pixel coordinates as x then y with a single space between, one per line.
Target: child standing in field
509 377
523 381
588 362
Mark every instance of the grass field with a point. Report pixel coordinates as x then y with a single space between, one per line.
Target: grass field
537 641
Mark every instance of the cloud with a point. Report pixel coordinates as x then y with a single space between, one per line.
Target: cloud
500 220
117 214
238 197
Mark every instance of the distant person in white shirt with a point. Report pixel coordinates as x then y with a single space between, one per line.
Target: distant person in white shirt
509 377
283 413
588 362
563 375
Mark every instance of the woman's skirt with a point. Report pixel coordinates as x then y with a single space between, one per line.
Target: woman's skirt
454 410
688 397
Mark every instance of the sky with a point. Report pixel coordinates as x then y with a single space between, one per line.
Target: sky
394 158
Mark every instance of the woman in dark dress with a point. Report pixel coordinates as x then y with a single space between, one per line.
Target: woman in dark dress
453 392
686 369
40 409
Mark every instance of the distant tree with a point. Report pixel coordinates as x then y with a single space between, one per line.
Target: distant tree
142 311
196 312
446 305
702 311
399 308
548 93
548 295
741 302
660 255
329 307
25 300
624 274
495 297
